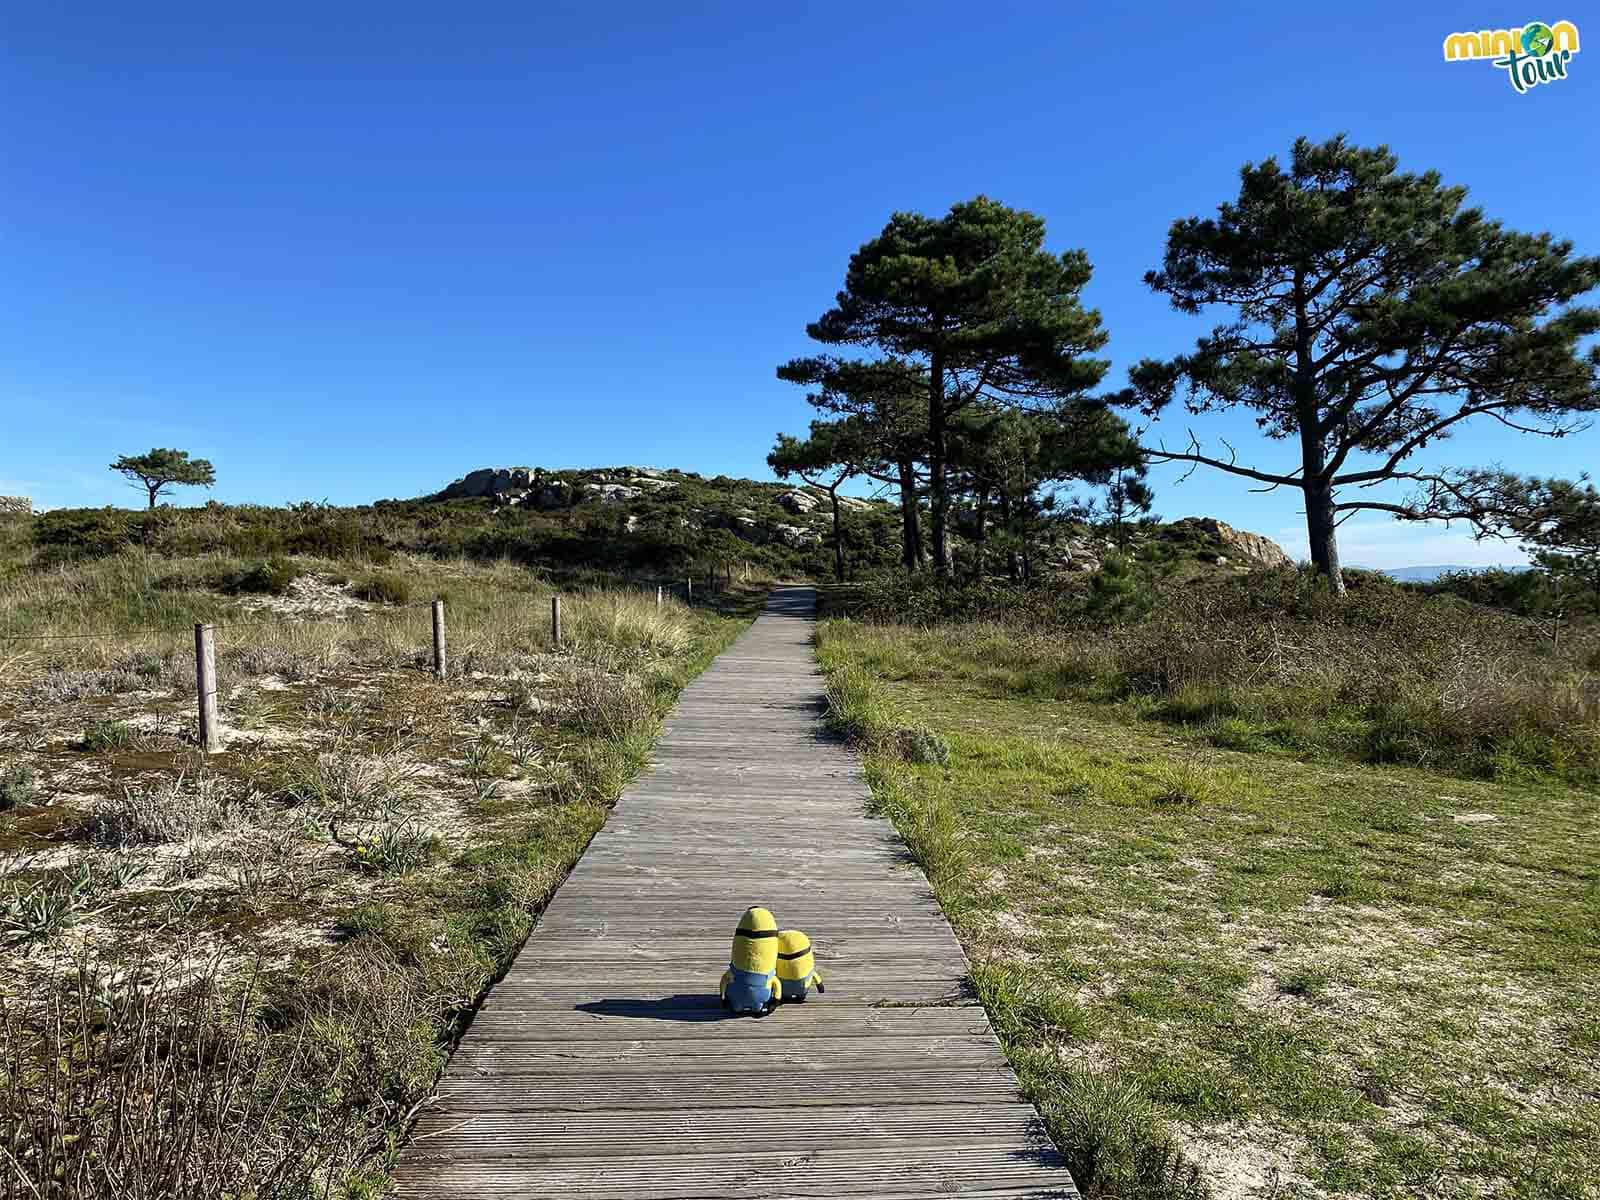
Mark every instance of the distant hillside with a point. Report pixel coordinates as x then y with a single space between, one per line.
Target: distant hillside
641 521
1430 574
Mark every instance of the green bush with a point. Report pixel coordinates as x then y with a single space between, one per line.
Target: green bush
82 532
1119 591
271 577
383 587
108 735
17 786
919 744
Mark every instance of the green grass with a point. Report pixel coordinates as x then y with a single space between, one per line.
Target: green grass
1269 662
104 736
383 587
1379 980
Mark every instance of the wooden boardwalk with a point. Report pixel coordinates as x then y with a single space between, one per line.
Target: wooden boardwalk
603 1066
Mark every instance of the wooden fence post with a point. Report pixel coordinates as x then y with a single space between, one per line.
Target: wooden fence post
555 621
440 667
688 590
658 597
205 680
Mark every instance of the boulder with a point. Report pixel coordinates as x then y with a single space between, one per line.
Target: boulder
796 537
797 502
552 494
490 481
1239 543
610 493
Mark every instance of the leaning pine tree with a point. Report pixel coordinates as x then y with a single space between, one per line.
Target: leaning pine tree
973 299
1370 313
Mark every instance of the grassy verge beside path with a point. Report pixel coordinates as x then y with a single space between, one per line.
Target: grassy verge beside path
238 974
1241 973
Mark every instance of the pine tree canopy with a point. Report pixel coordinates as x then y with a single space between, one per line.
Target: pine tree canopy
1369 312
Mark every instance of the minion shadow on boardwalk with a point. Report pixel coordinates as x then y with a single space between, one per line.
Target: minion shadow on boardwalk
685 1006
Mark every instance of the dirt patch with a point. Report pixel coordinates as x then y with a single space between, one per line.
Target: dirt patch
309 596
1247 1160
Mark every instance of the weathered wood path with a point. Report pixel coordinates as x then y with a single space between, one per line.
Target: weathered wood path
603 1066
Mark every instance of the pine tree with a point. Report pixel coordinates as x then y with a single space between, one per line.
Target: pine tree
1370 312
974 300
160 469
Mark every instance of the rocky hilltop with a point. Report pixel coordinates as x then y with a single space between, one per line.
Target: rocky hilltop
662 502
1251 549
759 513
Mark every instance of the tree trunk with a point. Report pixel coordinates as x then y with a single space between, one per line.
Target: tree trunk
1117 503
152 488
910 517
1013 570
1322 533
838 537
980 534
939 494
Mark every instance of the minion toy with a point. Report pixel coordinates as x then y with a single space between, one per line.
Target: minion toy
750 984
797 969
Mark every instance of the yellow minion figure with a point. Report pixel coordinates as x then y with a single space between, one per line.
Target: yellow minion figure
797 969
750 984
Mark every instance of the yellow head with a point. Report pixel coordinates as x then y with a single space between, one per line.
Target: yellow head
794 955
755 942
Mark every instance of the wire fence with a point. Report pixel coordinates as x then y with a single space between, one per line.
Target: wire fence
152 661
710 582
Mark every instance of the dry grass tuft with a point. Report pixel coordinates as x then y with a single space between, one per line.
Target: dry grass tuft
173 811
168 1091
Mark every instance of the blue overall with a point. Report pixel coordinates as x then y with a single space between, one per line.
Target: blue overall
749 991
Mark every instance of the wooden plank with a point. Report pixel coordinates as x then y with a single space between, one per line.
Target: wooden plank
603 1065
465 1094
503 1054
827 1016
947 989
776 1170
542 1136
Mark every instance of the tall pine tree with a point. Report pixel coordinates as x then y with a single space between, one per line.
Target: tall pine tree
974 300
1369 313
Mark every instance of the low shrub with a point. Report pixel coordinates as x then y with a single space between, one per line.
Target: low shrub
65 534
269 577
383 587
919 744
592 701
168 1090
397 849
289 665
168 812
1270 660
109 735
18 785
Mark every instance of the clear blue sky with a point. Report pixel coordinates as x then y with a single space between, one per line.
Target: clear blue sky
353 251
